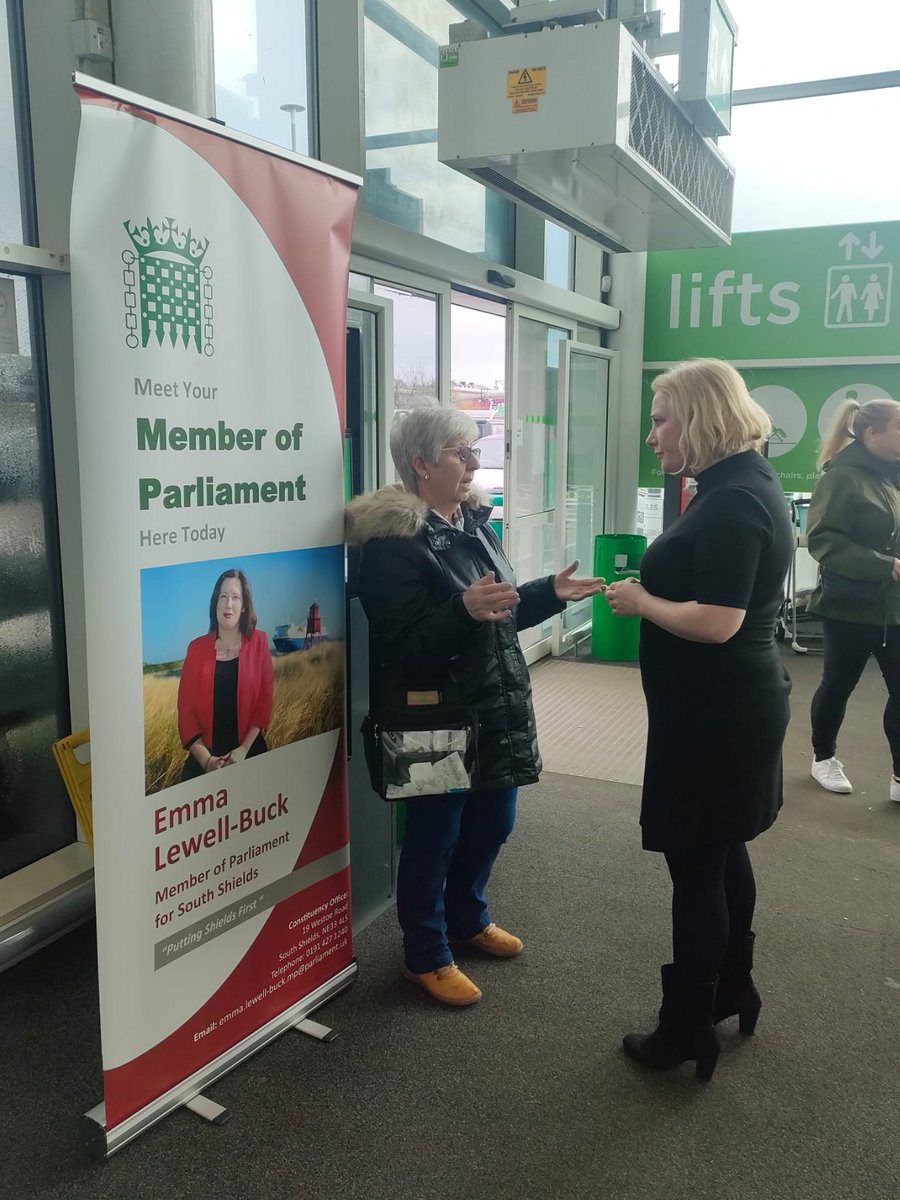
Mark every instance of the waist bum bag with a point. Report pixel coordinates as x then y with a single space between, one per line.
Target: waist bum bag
421 750
841 589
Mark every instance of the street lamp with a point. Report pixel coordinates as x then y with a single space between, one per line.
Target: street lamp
293 109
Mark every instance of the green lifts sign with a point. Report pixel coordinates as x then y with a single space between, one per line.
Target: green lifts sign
783 294
809 317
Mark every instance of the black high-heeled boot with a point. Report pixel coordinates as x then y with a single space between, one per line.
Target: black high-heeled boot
736 994
685 1032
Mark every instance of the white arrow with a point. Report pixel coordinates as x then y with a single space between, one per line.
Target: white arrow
872 251
848 241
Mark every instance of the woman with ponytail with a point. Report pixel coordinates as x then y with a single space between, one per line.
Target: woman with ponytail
852 532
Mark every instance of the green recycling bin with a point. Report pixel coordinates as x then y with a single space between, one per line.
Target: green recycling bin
616 556
496 523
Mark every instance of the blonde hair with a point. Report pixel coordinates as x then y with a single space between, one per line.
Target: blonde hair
850 423
717 415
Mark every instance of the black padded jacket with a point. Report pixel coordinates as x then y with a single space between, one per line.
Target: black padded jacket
413 569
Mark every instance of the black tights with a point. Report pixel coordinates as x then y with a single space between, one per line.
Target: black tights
848 647
713 898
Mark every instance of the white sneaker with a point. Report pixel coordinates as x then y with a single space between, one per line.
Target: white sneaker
830 773
895 789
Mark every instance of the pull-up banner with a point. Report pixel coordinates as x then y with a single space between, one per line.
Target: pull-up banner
209 282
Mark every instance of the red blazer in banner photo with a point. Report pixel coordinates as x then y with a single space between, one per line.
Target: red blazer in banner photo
195 692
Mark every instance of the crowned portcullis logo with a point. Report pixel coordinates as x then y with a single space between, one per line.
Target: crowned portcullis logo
170 292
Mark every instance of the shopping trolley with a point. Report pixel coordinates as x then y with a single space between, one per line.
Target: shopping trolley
794 619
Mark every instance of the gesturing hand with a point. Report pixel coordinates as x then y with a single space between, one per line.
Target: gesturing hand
487 600
626 597
567 587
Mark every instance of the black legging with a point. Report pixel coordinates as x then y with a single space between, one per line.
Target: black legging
713 898
848 647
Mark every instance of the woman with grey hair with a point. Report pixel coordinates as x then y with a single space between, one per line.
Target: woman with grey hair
444 616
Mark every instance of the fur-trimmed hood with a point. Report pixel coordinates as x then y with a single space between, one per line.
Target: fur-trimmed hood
391 511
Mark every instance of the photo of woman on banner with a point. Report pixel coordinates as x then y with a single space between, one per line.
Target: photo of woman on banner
225 692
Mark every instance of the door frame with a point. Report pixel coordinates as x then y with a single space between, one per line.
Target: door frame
383 310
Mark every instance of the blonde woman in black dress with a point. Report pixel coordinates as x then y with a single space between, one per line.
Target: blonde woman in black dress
717 698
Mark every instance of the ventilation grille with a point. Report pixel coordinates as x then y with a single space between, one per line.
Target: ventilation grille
665 139
559 216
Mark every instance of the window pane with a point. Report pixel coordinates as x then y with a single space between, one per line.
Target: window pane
478 369
10 197
478 361
261 72
837 141
415 345
35 814
782 42
405 183
557 255
789 43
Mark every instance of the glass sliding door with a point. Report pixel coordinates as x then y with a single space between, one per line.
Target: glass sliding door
584 387
530 508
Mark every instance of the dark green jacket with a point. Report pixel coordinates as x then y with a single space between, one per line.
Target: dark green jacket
852 530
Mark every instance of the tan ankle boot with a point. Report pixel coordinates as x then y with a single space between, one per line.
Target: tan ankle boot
447 984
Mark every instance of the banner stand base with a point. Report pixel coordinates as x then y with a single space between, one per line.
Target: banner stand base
216 1114
101 1142
314 1029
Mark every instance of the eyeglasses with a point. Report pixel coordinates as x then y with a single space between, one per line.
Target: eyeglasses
464 453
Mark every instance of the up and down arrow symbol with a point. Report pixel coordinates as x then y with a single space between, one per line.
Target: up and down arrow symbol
873 249
850 241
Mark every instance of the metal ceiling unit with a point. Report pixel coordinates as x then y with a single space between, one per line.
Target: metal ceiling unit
577 123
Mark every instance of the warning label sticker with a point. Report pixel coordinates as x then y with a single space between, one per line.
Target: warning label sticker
528 104
526 82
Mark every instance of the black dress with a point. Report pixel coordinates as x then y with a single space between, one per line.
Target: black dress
717 714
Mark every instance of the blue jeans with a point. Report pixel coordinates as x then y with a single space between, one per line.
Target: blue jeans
449 847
